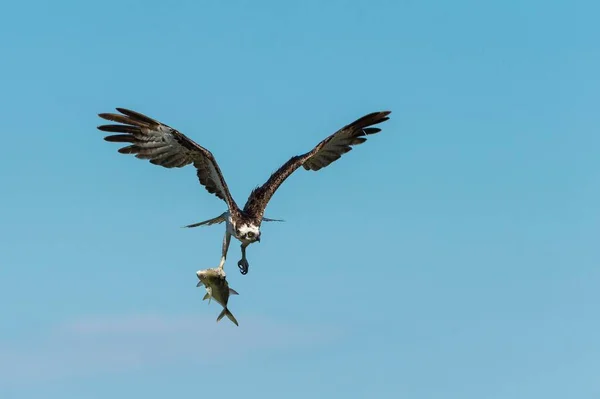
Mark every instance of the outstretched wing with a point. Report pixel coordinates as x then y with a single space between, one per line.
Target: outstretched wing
326 152
162 145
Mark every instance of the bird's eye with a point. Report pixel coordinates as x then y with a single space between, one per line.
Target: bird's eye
250 234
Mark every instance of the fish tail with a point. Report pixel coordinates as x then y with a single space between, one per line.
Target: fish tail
230 316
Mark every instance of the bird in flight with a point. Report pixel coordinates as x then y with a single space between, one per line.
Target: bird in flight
162 145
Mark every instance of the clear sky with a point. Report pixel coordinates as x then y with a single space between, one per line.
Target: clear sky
455 255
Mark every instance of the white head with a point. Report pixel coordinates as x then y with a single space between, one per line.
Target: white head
248 232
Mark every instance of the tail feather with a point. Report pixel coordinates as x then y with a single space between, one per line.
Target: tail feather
218 219
272 220
227 313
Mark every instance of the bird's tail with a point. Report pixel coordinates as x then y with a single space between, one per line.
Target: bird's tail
272 220
219 219
227 313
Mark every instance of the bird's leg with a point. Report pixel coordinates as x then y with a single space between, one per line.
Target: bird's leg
243 263
226 241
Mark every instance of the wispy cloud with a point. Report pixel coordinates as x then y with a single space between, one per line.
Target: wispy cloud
120 343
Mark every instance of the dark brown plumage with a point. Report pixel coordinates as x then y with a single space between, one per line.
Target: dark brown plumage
326 152
167 147
162 145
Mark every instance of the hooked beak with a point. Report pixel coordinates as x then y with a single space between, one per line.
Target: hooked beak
258 238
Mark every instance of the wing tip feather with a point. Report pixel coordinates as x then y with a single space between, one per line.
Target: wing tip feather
105 115
120 138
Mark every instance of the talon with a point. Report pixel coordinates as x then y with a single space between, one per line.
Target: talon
243 265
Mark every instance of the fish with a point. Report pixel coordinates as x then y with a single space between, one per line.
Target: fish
217 288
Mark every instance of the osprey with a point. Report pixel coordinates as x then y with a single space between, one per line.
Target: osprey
162 145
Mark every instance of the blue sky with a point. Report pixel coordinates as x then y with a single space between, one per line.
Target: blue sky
453 255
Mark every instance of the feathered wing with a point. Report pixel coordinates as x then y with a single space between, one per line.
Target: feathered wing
162 145
326 152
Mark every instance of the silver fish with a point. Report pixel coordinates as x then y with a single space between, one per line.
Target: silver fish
217 288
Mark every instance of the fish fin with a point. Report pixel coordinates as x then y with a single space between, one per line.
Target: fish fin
219 219
199 284
206 296
233 292
227 313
